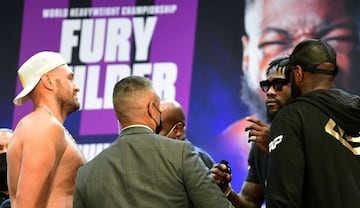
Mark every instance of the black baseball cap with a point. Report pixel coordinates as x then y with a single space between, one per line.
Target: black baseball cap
310 53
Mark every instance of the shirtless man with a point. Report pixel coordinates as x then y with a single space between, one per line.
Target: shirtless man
43 157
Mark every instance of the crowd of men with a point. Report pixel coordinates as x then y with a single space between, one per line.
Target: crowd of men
304 151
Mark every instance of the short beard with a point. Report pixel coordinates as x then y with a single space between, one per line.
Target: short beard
74 107
253 100
271 115
71 105
295 90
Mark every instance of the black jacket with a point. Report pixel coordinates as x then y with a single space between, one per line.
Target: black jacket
315 152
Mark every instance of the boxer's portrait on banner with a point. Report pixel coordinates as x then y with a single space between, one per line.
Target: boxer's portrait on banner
271 30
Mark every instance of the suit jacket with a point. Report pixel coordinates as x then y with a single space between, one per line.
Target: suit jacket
204 156
143 169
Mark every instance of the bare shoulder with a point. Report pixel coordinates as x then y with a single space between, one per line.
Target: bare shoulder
38 123
40 130
41 136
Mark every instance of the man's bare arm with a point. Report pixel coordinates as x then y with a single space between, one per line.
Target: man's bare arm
249 196
41 152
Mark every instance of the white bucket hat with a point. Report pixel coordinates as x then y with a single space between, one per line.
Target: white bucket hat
32 70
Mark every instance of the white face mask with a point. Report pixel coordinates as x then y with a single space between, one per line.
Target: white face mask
172 129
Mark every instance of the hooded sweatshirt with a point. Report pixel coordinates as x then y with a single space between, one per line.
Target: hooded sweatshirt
315 152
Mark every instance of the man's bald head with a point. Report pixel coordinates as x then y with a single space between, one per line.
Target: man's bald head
5 137
173 119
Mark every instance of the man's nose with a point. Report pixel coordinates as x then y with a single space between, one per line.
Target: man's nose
271 91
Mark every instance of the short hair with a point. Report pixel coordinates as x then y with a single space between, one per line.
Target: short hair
278 67
131 84
309 53
129 91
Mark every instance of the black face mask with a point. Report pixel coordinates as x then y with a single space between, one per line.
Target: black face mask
158 127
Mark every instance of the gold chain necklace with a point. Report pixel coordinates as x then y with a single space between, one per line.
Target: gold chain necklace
45 108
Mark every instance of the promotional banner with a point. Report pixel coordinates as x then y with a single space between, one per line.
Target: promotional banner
104 41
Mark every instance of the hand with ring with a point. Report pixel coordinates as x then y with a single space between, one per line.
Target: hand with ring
259 132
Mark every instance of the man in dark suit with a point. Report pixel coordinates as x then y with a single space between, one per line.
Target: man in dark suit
141 168
173 126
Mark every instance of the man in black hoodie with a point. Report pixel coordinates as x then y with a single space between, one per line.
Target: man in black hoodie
315 144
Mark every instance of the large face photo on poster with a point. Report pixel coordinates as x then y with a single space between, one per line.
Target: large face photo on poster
209 56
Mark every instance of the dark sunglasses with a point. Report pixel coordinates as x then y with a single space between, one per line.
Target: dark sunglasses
276 83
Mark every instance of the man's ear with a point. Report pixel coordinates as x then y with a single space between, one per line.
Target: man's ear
299 74
152 110
47 81
149 108
180 131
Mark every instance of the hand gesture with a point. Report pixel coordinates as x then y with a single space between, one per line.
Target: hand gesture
259 132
